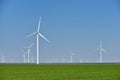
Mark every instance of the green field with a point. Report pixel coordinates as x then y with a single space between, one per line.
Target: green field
60 72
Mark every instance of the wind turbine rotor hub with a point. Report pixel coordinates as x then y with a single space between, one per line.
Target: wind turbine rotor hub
37 32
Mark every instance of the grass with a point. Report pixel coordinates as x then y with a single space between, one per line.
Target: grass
60 72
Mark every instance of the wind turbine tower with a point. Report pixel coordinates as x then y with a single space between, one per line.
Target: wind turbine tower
37 33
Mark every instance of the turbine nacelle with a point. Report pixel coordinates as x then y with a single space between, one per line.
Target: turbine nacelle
101 49
37 33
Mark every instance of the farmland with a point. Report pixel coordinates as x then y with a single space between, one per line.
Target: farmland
60 72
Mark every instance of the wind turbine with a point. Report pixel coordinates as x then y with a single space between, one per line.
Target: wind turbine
37 33
24 55
71 57
101 50
28 52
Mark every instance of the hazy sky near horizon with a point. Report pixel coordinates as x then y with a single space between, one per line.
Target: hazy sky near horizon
72 26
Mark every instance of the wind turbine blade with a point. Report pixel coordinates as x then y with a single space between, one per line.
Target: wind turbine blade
30 35
25 50
97 49
44 37
103 50
31 45
39 25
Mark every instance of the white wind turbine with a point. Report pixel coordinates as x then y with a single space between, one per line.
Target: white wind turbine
28 52
24 55
101 50
24 58
37 33
71 57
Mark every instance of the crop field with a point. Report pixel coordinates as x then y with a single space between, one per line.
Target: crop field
60 72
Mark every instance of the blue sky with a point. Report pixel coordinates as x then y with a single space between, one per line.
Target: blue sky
72 26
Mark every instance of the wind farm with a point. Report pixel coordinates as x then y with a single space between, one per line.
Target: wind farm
65 34
59 40
57 69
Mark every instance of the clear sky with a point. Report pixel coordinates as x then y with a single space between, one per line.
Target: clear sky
72 26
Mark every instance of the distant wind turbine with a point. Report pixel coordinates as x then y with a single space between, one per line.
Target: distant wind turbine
28 52
71 57
101 50
37 33
24 55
